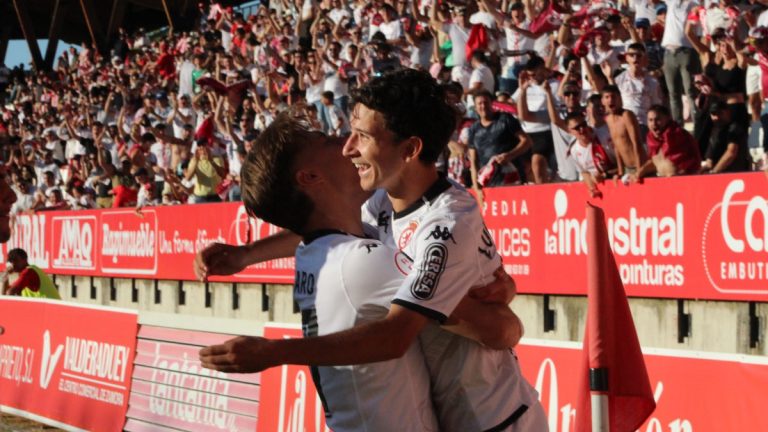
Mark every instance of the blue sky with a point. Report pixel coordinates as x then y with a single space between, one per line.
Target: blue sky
18 53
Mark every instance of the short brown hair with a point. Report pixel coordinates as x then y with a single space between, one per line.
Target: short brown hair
269 188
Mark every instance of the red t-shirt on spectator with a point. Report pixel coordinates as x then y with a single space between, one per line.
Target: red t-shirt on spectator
28 278
677 145
124 196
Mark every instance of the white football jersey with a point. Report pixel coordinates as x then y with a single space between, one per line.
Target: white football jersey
342 281
473 388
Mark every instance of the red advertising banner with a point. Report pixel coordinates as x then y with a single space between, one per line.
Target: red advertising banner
289 401
684 237
694 391
159 243
69 363
172 391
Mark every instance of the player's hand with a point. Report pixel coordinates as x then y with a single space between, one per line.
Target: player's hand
502 290
219 259
243 354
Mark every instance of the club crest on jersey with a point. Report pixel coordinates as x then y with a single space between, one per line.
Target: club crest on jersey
441 233
435 258
405 236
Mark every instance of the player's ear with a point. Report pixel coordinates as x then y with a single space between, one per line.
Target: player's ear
307 177
412 148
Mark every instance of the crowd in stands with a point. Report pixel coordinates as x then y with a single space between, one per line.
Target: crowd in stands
545 91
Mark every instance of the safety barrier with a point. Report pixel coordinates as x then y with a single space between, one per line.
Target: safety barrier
92 368
694 237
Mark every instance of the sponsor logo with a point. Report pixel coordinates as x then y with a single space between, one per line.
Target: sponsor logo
441 233
370 247
186 391
735 241
29 233
648 248
49 361
129 245
16 363
435 259
405 236
74 242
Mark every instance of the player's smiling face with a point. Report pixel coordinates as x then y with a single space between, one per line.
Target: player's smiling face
337 169
373 150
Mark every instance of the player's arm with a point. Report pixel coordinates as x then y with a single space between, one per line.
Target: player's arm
493 325
375 341
224 259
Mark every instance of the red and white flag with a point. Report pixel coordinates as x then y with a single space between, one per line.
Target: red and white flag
610 340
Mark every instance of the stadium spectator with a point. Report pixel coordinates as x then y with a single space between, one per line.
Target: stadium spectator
32 281
625 133
727 150
497 147
672 149
588 154
88 123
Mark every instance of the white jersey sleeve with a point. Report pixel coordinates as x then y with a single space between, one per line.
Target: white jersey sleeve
444 252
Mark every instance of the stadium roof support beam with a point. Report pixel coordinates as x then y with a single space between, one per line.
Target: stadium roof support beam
26 28
59 11
168 15
116 17
97 35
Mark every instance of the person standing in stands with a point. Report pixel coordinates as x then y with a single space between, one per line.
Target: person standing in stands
32 281
7 198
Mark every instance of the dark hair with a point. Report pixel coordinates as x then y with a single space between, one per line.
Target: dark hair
636 46
594 99
147 137
327 95
534 63
413 105
660 109
479 55
269 190
610 89
17 253
481 93
518 5
574 115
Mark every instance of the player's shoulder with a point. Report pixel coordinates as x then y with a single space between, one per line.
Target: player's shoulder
455 203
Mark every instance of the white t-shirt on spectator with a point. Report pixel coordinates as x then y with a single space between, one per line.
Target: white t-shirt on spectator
74 148
483 75
638 94
754 80
582 158
537 104
57 149
178 120
644 9
333 82
336 15
516 42
674 25
459 37
186 86
392 30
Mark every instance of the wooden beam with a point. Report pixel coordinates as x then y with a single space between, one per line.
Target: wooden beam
28 32
59 11
116 17
168 15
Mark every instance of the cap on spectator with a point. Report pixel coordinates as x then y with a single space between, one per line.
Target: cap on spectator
250 137
661 8
642 23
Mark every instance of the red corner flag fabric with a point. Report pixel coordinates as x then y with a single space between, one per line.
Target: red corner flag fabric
610 339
